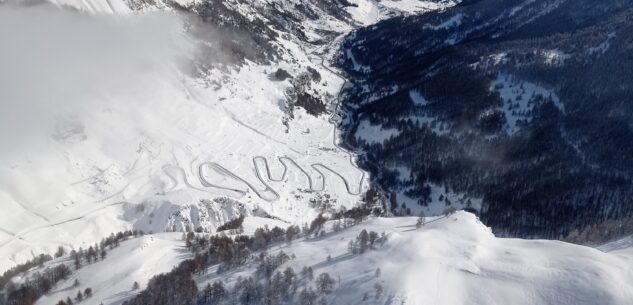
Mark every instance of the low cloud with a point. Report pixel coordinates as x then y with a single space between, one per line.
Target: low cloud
57 62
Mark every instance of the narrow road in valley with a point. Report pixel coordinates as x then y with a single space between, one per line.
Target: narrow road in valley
267 194
311 184
227 173
205 183
336 120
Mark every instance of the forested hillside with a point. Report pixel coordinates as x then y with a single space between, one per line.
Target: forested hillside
525 105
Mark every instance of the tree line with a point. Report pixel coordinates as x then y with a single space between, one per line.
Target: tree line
39 282
267 285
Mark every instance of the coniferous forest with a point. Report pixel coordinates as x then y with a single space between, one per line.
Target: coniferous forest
458 86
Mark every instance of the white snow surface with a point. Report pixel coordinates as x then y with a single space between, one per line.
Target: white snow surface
120 125
623 245
449 261
374 133
417 98
132 152
554 56
457 260
367 12
111 280
603 47
519 99
452 22
117 134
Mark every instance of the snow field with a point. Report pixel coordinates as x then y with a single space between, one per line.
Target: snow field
153 143
111 280
457 260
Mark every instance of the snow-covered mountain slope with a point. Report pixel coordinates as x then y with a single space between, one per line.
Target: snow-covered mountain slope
450 260
519 104
361 11
623 244
179 116
151 119
457 260
112 280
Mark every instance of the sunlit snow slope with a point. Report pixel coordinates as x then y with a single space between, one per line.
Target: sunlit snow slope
457 260
109 123
111 280
449 261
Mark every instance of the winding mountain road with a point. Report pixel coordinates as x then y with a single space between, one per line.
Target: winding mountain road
268 194
227 173
334 119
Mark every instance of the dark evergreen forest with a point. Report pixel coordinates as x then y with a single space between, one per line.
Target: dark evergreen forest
567 168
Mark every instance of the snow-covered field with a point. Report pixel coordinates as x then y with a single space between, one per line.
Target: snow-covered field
373 134
457 260
105 128
367 12
519 98
450 260
116 132
111 280
153 136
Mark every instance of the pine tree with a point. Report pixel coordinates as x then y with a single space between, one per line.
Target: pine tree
449 211
77 262
307 273
336 227
373 236
307 297
217 292
377 290
362 240
60 252
290 234
135 286
289 276
352 247
324 283
89 254
370 196
393 201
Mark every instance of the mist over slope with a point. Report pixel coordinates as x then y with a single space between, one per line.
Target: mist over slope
187 152
116 111
169 116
